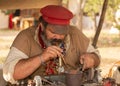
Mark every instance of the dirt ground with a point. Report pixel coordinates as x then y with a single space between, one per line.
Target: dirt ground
109 55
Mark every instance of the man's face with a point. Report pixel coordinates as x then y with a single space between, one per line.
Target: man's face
52 36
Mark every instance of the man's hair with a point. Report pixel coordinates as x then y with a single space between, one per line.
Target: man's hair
58 29
43 21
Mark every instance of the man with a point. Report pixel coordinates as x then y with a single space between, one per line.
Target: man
35 50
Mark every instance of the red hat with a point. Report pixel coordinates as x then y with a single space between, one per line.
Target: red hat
55 14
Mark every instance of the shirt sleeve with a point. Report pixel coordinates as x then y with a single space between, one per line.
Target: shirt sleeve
13 57
91 49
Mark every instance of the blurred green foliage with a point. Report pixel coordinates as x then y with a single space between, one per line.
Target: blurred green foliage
93 7
7 12
118 27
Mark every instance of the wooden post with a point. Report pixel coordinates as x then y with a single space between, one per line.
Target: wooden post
100 23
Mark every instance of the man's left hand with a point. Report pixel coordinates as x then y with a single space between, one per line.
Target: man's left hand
87 60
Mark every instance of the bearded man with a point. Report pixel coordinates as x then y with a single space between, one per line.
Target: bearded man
35 50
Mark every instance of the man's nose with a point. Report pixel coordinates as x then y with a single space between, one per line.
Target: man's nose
56 36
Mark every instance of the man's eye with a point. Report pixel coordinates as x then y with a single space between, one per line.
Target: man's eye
52 32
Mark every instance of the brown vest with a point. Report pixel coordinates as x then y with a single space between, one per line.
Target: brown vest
26 43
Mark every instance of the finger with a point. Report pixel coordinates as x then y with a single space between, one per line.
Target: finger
82 59
57 48
49 53
55 52
60 55
84 66
84 62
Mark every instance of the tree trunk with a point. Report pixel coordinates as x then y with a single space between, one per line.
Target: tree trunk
100 23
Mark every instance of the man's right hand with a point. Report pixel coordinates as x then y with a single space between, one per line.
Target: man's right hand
51 52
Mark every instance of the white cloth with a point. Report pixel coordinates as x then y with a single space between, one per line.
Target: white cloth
13 57
92 49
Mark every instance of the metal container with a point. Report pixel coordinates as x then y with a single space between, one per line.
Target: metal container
73 79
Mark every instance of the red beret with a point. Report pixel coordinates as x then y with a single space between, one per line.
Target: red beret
55 14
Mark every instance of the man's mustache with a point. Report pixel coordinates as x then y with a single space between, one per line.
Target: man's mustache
56 42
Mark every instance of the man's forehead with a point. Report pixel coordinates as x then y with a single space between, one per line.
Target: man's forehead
51 29
58 29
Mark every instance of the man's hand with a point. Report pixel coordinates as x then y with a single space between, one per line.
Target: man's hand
51 52
88 60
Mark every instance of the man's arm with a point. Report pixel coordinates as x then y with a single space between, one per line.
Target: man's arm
19 66
12 59
26 67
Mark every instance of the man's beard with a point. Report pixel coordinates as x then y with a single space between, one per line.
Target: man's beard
50 42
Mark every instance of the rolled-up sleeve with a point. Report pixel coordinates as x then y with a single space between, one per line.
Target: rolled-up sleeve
91 49
13 57
96 56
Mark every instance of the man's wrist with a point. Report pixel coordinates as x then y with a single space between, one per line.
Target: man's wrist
41 60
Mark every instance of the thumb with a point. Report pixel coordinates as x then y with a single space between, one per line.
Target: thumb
82 59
